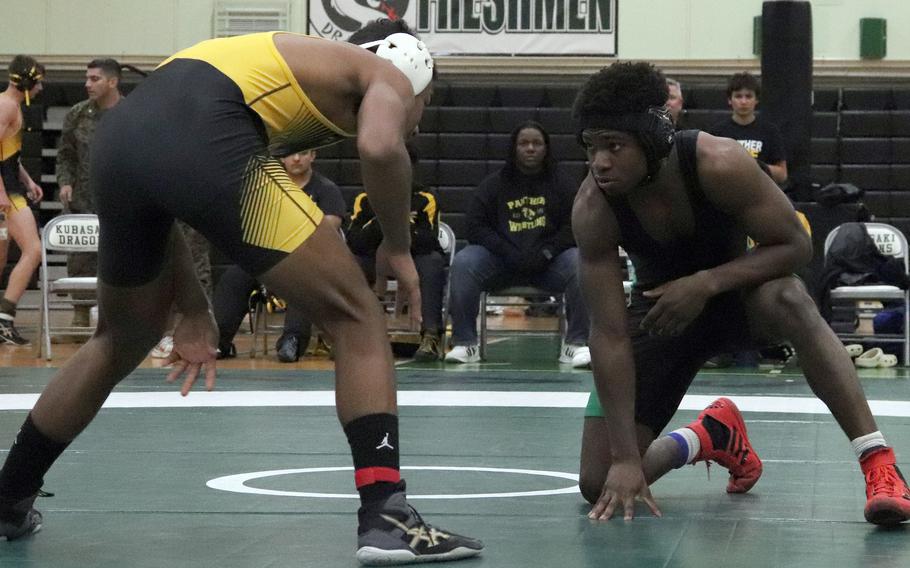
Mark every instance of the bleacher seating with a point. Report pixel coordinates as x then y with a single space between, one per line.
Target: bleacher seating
824 124
704 98
556 120
562 96
460 146
865 150
825 151
901 99
825 100
504 119
463 119
867 99
469 96
703 119
865 123
525 97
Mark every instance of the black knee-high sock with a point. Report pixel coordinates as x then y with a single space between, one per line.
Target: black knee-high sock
374 446
31 456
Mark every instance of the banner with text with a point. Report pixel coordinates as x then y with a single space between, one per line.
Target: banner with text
482 27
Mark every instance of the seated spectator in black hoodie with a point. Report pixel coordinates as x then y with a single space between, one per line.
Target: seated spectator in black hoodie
520 233
364 236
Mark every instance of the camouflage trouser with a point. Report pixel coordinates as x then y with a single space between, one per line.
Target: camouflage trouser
199 249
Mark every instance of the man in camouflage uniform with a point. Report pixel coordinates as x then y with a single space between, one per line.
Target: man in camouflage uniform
102 81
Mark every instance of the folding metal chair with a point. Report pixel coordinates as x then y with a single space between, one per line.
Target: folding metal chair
890 241
65 234
448 244
534 296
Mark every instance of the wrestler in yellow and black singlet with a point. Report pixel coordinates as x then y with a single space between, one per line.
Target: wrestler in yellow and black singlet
198 140
10 147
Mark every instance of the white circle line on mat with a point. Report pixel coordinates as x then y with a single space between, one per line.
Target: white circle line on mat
237 483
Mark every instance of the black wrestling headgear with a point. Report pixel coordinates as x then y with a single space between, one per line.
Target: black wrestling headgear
654 129
25 78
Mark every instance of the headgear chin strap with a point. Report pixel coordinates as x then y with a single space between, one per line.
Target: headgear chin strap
26 81
409 55
654 129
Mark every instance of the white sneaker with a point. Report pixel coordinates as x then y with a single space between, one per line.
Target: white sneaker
582 358
464 354
164 348
567 355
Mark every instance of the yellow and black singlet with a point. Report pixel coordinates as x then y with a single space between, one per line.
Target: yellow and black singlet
198 140
9 163
254 64
10 146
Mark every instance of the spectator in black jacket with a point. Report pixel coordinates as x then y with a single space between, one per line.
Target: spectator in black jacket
364 236
520 233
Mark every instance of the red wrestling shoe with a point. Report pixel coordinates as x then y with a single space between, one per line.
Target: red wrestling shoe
722 434
887 496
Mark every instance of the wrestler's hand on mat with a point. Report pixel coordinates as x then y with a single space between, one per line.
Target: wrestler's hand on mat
401 266
679 302
625 482
195 338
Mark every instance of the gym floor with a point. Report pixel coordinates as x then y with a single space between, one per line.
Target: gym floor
257 473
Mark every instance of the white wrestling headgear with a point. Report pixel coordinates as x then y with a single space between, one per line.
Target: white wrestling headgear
409 55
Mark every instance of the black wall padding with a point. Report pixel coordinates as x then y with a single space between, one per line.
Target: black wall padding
786 76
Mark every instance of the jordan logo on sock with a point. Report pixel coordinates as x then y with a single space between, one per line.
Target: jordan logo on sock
385 443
